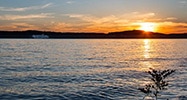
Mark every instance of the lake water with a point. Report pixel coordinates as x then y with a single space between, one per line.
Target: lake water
96 69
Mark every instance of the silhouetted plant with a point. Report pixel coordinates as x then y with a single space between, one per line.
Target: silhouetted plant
158 82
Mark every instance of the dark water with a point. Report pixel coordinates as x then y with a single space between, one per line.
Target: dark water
89 69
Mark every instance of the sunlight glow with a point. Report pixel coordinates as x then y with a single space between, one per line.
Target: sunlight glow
148 26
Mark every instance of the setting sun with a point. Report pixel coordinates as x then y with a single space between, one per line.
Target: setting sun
147 26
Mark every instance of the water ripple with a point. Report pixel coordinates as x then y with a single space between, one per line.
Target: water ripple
88 69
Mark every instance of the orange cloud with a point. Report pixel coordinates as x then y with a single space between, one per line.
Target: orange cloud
18 27
31 16
109 23
89 23
174 27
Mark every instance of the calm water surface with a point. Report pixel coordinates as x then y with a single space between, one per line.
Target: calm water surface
88 69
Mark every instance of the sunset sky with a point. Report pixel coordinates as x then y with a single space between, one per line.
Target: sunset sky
168 16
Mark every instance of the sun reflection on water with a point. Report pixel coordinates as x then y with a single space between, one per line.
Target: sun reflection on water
146 54
146 48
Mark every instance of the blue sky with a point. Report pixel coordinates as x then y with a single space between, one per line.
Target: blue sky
93 15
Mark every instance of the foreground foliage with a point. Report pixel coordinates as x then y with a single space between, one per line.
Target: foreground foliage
158 82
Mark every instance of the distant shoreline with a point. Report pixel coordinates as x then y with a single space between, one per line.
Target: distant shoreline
132 34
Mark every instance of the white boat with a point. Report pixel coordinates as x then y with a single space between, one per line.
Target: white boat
42 36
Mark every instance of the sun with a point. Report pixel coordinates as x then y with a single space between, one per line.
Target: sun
148 26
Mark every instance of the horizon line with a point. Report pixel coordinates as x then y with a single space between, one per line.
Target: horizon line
94 32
